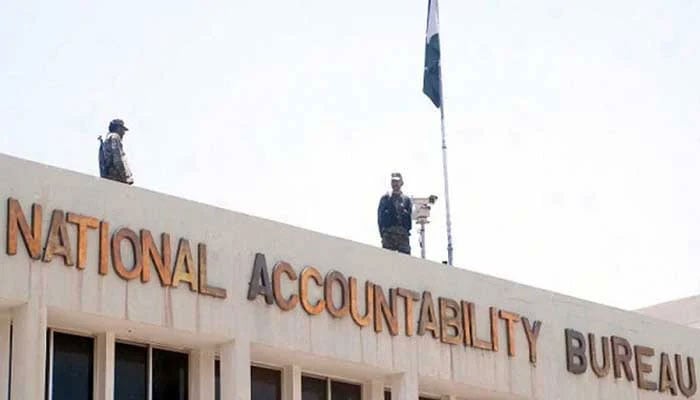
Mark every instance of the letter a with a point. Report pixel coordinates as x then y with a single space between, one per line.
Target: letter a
260 280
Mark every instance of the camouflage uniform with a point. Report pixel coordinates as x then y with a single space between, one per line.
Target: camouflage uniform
396 238
394 220
116 168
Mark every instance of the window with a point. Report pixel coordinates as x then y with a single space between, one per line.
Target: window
326 389
130 372
217 380
387 396
345 391
169 375
133 364
265 384
69 366
9 364
313 388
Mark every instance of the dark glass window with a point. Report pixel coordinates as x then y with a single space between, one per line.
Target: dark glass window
169 375
217 380
9 362
72 367
345 391
265 384
313 388
130 372
387 396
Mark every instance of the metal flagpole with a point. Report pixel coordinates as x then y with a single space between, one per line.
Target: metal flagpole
448 220
432 30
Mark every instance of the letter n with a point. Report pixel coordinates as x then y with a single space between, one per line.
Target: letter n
17 224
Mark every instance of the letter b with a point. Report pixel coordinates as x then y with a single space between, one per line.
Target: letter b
576 360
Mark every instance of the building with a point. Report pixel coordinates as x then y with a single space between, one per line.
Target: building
684 311
113 292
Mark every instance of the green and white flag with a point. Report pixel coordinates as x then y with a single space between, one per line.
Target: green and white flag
432 86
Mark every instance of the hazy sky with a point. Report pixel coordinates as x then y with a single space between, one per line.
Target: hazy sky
573 129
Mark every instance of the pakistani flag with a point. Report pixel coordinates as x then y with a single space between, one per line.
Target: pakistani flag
432 86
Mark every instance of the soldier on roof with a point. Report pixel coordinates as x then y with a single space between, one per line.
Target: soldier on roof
113 164
394 217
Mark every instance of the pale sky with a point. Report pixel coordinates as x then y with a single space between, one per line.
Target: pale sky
573 129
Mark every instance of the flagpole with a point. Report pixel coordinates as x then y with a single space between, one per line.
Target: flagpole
448 220
433 62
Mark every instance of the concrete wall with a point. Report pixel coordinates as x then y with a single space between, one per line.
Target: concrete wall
684 311
38 294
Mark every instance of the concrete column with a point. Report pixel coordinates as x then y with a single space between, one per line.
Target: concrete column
202 374
28 351
373 390
104 366
235 370
5 324
404 386
291 382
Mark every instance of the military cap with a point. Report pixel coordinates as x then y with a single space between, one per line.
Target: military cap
117 122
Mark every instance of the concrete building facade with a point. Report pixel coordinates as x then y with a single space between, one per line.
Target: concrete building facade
97 268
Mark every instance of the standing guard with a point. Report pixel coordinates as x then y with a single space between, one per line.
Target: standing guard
394 217
113 164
